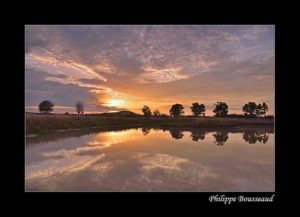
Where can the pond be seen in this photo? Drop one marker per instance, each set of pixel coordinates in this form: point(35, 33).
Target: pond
point(151, 160)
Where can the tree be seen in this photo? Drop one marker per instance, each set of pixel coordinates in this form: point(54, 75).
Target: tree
point(252, 109)
point(249, 108)
point(79, 108)
point(176, 133)
point(46, 106)
point(176, 110)
point(145, 131)
point(221, 109)
point(265, 108)
point(197, 134)
point(146, 110)
point(198, 109)
point(156, 113)
point(259, 110)
point(221, 138)
point(253, 136)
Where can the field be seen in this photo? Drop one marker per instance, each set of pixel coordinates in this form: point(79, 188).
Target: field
point(41, 123)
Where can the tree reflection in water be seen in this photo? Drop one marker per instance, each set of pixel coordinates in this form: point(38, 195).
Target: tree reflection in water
point(253, 136)
point(221, 137)
point(197, 134)
point(176, 133)
point(145, 131)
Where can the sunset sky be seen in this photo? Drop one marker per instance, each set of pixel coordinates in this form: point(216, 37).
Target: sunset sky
point(124, 67)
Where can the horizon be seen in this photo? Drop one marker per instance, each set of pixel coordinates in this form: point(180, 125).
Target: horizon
point(124, 67)
point(97, 112)
point(64, 110)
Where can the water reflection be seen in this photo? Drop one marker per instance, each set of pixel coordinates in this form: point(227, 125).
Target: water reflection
point(176, 133)
point(253, 136)
point(146, 131)
point(198, 134)
point(57, 136)
point(221, 137)
point(135, 160)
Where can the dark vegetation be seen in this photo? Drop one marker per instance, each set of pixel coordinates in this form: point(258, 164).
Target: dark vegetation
point(251, 135)
point(45, 122)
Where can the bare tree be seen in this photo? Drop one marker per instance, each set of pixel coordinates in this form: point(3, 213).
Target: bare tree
point(79, 108)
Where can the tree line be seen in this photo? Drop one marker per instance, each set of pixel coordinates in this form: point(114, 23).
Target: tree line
point(47, 106)
point(250, 109)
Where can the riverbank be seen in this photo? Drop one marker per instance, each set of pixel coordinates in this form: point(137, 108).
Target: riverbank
point(40, 123)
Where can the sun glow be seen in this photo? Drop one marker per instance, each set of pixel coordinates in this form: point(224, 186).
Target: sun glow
point(115, 102)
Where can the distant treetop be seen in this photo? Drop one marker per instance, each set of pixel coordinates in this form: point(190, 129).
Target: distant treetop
point(46, 106)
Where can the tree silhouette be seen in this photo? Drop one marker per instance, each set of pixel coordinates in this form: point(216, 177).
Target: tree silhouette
point(249, 108)
point(259, 110)
point(79, 108)
point(156, 113)
point(176, 133)
point(221, 137)
point(146, 131)
point(253, 136)
point(262, 109)
point(264, 138)
point(198, 109)
point(221, 109)
point(146, 110)
point(253, 109)
point(46, 106)
point(265, 108)
point(197, 134)
point(176, 110)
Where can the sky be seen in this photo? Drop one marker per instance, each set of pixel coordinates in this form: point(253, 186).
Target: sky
point(124, 67)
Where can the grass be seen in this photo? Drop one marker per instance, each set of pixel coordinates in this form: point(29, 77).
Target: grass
point(41, 123)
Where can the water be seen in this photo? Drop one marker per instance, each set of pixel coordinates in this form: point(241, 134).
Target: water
point(145, 159)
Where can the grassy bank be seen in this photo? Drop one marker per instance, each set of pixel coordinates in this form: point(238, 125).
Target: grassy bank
point(40, 123)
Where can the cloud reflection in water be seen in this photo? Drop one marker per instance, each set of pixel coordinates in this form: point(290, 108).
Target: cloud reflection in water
point(132, 161)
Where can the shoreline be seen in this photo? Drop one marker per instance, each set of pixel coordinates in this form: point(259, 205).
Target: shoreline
point(39, 124)
point(57, 135)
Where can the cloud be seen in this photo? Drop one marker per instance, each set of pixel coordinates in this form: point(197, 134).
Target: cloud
point(55, 65)
point(161, 75)
point(62, 167)
point(140, 62)
point(73, 80)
